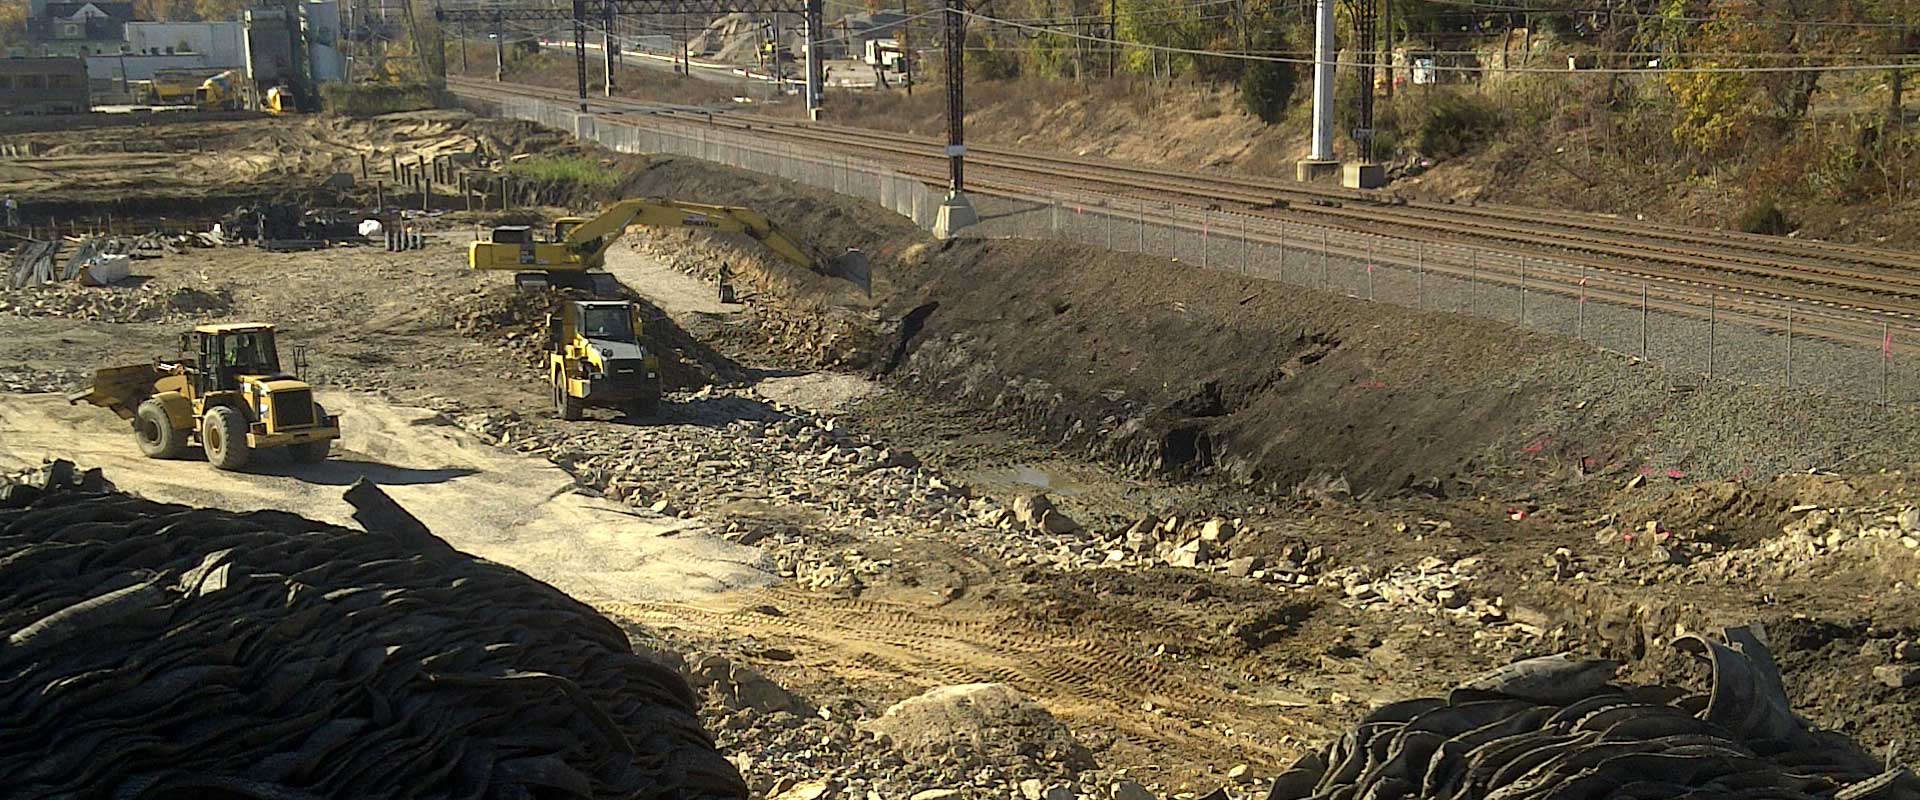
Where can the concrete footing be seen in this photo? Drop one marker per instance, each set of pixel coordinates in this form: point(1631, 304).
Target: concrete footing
point(1364, 176)
point(1313, 171)
point(956, 212)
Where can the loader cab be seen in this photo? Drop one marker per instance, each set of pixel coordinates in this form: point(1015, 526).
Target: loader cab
point(223, 353)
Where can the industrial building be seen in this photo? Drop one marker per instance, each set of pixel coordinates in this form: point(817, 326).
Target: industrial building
point(43, 86)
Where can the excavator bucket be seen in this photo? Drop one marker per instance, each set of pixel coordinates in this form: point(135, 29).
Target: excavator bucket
point(120, 389)
point(853, 266)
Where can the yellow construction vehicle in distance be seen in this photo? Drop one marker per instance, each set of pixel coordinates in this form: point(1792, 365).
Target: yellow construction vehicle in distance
point(229, 393)
point(573, 256)
point(594, 358)
point(220, 93)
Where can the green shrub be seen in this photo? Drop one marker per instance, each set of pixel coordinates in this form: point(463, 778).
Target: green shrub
point(565, 169)
point(1451, 123)
point(1765, 217)
point(1266, 87)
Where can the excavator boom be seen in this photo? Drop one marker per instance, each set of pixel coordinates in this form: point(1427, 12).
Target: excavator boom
point(580, 246)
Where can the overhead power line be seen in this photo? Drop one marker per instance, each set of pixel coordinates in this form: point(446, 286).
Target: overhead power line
point(1448, 67)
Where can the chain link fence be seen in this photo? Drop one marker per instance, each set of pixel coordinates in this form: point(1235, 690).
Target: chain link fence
point(1719, 336)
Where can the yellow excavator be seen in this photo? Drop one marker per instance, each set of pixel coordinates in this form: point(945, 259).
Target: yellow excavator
point(575, 253)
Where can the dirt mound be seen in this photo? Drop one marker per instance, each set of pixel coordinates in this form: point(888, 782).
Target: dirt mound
point(988, 719)
point(166, 650)
point(1171, 369)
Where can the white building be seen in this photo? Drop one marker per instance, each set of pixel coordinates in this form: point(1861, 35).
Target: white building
point(267, 54)
point(221, 43)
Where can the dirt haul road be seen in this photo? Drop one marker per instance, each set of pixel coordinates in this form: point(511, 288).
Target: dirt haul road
point(509, 508)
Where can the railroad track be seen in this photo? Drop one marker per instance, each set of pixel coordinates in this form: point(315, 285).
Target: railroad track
point(1841, 293)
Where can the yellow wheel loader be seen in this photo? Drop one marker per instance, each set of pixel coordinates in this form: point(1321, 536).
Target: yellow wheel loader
point(594, 358)
point(227, 394)
point(575, 254)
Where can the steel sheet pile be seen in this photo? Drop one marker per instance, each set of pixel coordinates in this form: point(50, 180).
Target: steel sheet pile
point(159, 650)
point(1555, 728)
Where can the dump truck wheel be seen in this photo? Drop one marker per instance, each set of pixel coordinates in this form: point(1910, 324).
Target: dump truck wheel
point(155, 432)
point(313, 452)
point(566, 405)
point(643, 407)
point(223, 433)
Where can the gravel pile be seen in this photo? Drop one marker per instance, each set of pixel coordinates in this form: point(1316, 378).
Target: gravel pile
point(155, 649)
point(115, 304)
point(1556, 728)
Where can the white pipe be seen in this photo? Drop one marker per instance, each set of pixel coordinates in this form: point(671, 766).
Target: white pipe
point(1323, 57)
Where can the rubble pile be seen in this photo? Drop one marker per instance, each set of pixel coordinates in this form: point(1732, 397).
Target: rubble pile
point(17, 378)
point(772, 454)
point(967, 741)
point(1556, 728)
point(130, 304)
point(1889, 534)
point(161, 650)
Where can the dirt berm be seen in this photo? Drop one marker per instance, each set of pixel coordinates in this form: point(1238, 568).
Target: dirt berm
point(1167, 368)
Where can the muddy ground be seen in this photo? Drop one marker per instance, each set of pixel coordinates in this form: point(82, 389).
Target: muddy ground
point(1376, 513)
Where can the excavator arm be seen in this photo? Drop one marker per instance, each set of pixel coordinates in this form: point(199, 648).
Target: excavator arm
point(581, 246)
point(597, 235)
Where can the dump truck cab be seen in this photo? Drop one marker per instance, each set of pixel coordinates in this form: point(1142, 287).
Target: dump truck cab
point(595, 358)
point(228, 392)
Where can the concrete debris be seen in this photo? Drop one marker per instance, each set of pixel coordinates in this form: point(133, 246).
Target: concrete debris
point(991, 719)
point(1128, 790)
point(72, 300)
point(810, 790)
point(1897, 676)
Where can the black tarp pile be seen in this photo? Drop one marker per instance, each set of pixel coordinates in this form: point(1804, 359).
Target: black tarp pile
point(1555, 728)
point(153, 650)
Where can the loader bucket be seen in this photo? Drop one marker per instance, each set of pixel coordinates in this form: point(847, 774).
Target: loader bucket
point(853, 266)
point(120, 389)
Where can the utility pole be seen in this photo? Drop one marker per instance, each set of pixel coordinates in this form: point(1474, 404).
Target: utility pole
point(1386, 42)
point(608, 47)
point(1365, 21)
point(499, 50)
point(463, 48)
point(815, 93)
point(1113, 36)
point(956, 211)
point(906, 50)
point(580, 50)
point(1320, 163)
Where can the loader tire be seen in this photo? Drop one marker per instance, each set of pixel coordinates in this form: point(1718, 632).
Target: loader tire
point(565, 405)
point(155, 432)
point(223, 433)
point(313, 452)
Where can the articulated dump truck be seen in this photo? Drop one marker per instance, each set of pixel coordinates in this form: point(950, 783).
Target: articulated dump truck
point(227, 393)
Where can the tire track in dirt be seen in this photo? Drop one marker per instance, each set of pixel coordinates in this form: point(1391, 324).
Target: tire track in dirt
point(1092, 683)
